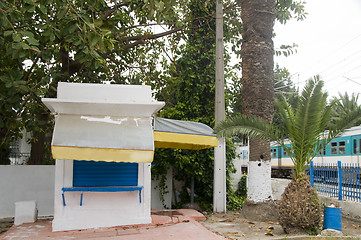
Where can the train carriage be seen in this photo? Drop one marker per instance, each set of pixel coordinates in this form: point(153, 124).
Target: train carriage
point(346, 148)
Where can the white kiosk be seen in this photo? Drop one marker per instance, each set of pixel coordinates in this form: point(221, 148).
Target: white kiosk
point(103, 144)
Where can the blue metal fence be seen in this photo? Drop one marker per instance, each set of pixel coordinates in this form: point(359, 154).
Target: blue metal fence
point(342, 181)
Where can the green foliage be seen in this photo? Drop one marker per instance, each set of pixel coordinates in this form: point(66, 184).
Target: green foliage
point(4, 154)
point(288, 9)
point(302, 126)
point(242, 187)
point(47, 41)
point(345, 104)
point(189, 95)
point(235, 200)
point(286, 50)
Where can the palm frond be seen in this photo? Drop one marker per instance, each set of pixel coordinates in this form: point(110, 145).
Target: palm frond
point(287, 114)
point(342, 124)
point(308, 119)
point(241, 125)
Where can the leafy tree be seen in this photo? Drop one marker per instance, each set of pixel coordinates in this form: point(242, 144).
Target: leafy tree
point(9, 99)
point(304, 128)
point(47, 41)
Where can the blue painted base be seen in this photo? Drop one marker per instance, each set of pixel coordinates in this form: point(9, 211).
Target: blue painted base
point(332, 218)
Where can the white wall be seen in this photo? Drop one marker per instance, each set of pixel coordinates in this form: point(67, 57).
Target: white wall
point(240, 161)
point(24, 148)
point(156, 201)
point(25, 183)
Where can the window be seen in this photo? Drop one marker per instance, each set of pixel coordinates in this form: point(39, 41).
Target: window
point(359, 149)
point(334, 148)
point(273, 153)
point(285, 154)
point(341, 147)
point(354, 146)
point(245, 154)
point(104, 174)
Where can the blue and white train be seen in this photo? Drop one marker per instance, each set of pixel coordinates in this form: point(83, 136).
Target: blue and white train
point(346, 148)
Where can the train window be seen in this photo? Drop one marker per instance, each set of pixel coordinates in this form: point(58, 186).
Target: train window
point(273, 153)
point(354, 146)
point(359, 149)
point(342, 147)
point(285, 153)
point(334, 148)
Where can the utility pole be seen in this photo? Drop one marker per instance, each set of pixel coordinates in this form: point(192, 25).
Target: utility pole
point(219, 185)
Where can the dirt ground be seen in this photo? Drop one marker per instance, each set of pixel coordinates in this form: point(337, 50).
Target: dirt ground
point(233, 226)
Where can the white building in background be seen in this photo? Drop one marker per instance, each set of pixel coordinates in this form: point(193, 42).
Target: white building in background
point(20, 149)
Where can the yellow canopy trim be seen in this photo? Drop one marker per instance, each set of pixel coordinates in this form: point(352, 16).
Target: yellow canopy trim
point(102, 154)
point(183, 141)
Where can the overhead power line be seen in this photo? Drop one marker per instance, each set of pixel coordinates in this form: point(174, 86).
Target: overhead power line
point(315, 64)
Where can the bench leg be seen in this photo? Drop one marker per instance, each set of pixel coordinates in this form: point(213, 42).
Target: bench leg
point(81, 199)
point(63, 199)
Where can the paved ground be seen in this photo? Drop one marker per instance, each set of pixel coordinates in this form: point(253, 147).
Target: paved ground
point(176, 225)
point(173, 224)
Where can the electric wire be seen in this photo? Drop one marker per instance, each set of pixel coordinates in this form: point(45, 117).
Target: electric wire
point(312, 66)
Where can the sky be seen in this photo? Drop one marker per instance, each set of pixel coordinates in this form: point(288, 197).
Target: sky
point(329, 44)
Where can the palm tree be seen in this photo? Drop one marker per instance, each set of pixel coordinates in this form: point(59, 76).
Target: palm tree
point(304, 127)
point(345, 104)
point(258, 98)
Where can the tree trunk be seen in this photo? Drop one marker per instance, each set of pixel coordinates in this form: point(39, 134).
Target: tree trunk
point(38, 145)
point(258, 89)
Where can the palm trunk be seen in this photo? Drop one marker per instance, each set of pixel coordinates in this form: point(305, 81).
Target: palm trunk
point(257, 89)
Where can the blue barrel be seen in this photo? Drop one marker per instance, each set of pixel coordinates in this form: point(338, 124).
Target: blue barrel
point(332, 218)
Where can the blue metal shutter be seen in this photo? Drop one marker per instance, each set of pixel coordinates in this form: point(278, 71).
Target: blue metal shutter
point(103, 174)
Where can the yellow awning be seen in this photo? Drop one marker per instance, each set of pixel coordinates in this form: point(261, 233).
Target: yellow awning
point(102, 154)
point(183, 141)
point(170, 133)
